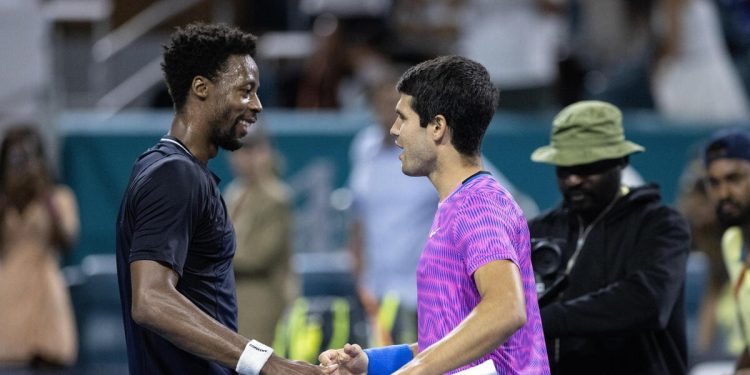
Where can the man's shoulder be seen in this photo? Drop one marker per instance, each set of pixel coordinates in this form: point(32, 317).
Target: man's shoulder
point(731, 240)
point(158, 161)
point(164, 174)
point(648, 205)
point(487, 192)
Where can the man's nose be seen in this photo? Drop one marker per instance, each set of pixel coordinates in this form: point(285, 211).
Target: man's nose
point(255, 104)
point(395, 129)
point(572, 179)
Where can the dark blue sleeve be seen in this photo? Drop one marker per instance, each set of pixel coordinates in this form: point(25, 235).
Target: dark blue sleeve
point(165, 206)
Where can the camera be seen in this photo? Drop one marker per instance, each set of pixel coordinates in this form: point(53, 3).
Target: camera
point(547, 260)
point(546, 256)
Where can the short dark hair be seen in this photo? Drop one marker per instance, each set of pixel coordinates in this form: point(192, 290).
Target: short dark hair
point(201, 49)
point(457, 88)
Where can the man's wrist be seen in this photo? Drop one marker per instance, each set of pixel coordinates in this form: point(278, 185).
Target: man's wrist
point(386, 360)
point(253, 358)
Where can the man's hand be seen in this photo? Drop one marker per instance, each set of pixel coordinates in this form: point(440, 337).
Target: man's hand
point(351, 360)
point(278, 366)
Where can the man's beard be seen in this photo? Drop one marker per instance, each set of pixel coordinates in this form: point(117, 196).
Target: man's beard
point(226, 139)
point(729, 220)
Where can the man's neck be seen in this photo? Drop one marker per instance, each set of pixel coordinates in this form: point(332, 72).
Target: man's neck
point(192, 134)
point(450, 173)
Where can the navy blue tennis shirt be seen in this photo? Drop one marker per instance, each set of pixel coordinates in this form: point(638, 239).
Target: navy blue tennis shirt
point(172, 212)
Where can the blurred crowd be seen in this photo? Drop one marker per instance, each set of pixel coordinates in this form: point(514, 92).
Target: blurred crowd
point(686, 59)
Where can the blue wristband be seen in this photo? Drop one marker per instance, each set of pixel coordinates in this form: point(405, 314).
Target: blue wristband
point(386, 360)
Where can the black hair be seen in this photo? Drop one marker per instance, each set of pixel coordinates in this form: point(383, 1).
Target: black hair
point(201, 49)
point(18, 134)
point(457, 88)
point(35, 185)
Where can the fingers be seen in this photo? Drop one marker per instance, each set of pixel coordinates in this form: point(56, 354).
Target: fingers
point(353, 350)
point(328, 357)
point(330, 369)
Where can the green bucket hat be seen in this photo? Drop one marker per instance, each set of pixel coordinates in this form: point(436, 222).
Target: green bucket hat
point(586, 132)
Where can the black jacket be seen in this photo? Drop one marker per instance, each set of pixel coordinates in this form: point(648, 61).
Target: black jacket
point(622, 311)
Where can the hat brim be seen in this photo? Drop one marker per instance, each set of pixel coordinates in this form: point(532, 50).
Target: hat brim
point(584, 155)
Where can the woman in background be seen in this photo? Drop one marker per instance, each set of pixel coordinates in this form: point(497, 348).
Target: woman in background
point(38, 222)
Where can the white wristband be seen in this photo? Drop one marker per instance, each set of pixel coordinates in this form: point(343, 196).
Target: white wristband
point(253, 358)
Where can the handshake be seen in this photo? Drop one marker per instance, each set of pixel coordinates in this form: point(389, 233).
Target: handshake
point(350, 360)
point(395, 359)
point(353, 360)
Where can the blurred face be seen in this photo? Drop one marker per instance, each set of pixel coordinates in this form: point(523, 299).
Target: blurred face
point(588, 188)
point(418, 157)
point(253, 161)
point(728, 185)
point(384, 99)
point(23, 163)
point(235, 102)
point(25, 173)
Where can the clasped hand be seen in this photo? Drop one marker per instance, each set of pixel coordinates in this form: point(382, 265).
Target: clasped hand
point(351, 360)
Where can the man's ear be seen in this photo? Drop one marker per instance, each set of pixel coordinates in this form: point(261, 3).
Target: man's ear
point(439, 128)
point(200, 87)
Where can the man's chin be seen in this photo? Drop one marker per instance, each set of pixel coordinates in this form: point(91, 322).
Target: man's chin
point(232, 146)
point(578, 206)
point(229, 144)
point(730, 220)
point(412, 172)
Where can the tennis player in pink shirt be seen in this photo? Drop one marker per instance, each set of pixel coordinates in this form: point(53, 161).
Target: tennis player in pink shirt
point(477, 303)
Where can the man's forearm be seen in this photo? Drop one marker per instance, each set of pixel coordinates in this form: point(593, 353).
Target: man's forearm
point(481, 332)
point(499, 314)
point(182, 323)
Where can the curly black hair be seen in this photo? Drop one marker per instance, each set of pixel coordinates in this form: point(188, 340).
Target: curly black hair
point(457, 88)
point(201, 49)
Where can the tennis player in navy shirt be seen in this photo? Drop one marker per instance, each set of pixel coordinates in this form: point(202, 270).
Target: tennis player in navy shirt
point(175, 242)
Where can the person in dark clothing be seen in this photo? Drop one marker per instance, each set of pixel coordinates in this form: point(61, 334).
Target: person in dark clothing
point(175, 241)
point(614, 300)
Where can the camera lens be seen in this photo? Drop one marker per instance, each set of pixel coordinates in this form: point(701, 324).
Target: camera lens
point(546, 256)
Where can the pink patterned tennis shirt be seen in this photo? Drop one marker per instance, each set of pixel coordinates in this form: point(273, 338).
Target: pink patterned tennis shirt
point(478, 223)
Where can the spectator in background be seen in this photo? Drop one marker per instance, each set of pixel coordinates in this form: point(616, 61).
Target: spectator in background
point(385, 202)
point(259, 204)
point(525, 37)
point(727, 161)
point(324, 69)
point(426, 28)
point(38, 223)
point(28, 82)
point(664, 54)
point(613, 297)
point(705, 234)
point(607, 54)
point(735, 16)
point(693, 77)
